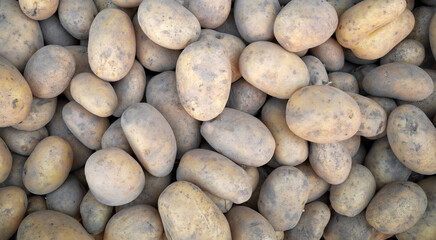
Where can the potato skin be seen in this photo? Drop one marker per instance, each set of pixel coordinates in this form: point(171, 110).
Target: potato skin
point(432, 35)
point(245, 97)
point(317, 72)
point(408, 51)
point(127, 3)
point(210, 13)
point(55, 34)
point(13, 205)
point(331, 54)
point(67, 197)
point(5, 161)
point(38, 9)
point(114, 137)
point(312, 113)
point(396, 207)
point(150, 137)
point(245, 223)
point(420, 32)
point(22, 142)
point(344, 81)
point(95, 215)
point(314, 219)
point(76, 16)
point(183, 200)
point(15, 177)
point(304, 24)
point(35, 203)
point(282, 197)
point(223, 204)
point(317, 185)
point(41, 112)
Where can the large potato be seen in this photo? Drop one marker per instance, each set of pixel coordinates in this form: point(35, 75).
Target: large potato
point(304, 24)
point(41, 112)
point(322, 114)
point(55, 34)
point(216, 174)
point(95, 215)
point(48, 165)
point(245, 97)
point(290, 149)
point(331, 54)
point(5, 161)
point(39, 9)
point(210, 13)
point(114, 137)
point(66, 199)
point(412, 138)
point(76, 16)
point(111, 184)
point(282, 197)
point(317, 185)
point(168, 23)
point(317, 72)
point(150, 137)
point(112, 45)
point(240, 137)
point(183, 200)
point(245, 223)
point(22, 142)
point(396, 207)
point(407, 51)
point(13, 205)
point(314, 219)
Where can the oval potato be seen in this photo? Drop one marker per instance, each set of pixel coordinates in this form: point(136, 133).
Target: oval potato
point(77, 16)
point(94, 214)
point(66, 199)
point(210, 13)
point(317, 185)
point(54, 33)
point(41, 112)
point(408, 51)
point(245, 223)
point(35, 203)
point(22, 142)
point(13, 205)
point(314, 219)
point(245, 97)
point(39, 9)
point(317, 72)
point(114, 137)
point(331, 54)
point(5, 161)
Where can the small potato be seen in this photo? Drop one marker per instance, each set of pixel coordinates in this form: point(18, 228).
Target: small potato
point(252, 202)
point(349, 56)
point(407, 51)
point(66, 199)
point(229, 26)
point(352, 144)
point(210, 13)
point(282, 197)
point(396, 207)
point(317, 71)
point(290, 149)
point(420, 32)
point(15, 177)
point(127, 3)
point(183, 200)
point(48, 166)
point(304, 24)
point(80, 54)
point(114, 137)
point(245, 97)
point(348, 67)
point(95, 215)
point(50, 224)
point(331, 54)
point(240, 137)
point(216, 174)
point(223, 204)
point(22, 142)
point(13, 205)
point(387, 104)
point(317, 185)
point(314, 219)
point(168, 23)
point(150, 137)
point(255, 19)
point(76, 16)
point(401, 81)
point(39, 9)
point(344, 81)
point(432, 35)
point(55, 34)
point(35, 203)
point(245, 223)
point(49, 71)
point(272, 69)
point(5, 161)
point(360, 155)
point(41, 112)
point(137, 222)
point(322, 114)
point(331, 161)
point(342, 5)
point(110, 184)
point(412, 138)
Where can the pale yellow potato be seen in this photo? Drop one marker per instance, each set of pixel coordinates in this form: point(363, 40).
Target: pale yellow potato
point(39, 9)
point(210, 13)
point(317, 185)
point(22, 142)
point(229, 26)
point(314, 219)
point(245, 223)
point(5, 161)
point(41, 112)
point(15, 177)
point(77, 16)
point(253, 173)
point(94, 214)
point(80, 54)
point(13, 205)
point(331, 54)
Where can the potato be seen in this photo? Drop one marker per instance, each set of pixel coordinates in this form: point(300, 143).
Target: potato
point(331, 161)
point(412, 138)
point(317, 186)
point(35, 203)
point(360, 155)
point(384, 165)
point(255, 19)
point(161, 93)
point(15, 177)
point(5, 161)
point(50, 224)
point(348, 67)
point(344, 81)
point(282, 197)
point(20, 37)
point(229, 26)
point(273, 70)
point(168, 23)
point(315, 218)
point(76, 17)
point(253, 173)
point(360, 72)
point(127, 3)
point(13, 205)
point(151, 55)
point(95, 215)
point(432, 35)
point(420, 32)
point(331, 54)
point(54, 33)
point(252, 202)
point(137, 222)
point(304, 24)
point(66, 199)
point(407, 51)
point(216, 174)
point(114, 137)
point(387, 104)
point(428, 2)
point(396, 207)
point(203, 77)
point(22, 142)
point(290, 149)
point(38, 9)
point(80, 54)
point(245, 223)
point(183, 200)
point(401, 81)
point(15, 95)
point(322, 114)
point(85, 126)
point(352, 144)
point(245, 97)
point(342, 5)
point(317, 72)
point(210, 13)
point(150, 137)
point(240, 137)
point(41, 112)
point(223, 204)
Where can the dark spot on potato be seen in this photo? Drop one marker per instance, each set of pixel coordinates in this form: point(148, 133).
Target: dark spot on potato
point(14, 103)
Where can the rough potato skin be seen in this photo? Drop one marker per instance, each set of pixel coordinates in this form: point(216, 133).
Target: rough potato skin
point(35, 203)
point(344, 81)
point(67, 197)
point(127, 3)
point(408, 51)
point(245, 97)
point(317, 185)
point(331, 54)
point(314, 219)
point(13, 205)
point(77, 16)
point(41, 112)
point(396, 207)
point(210, 13)
point(342, 5)
point(5, 161)
point(22, 142)
point(245, 223)
point(317, 71)
point(38, 9)
point(420, 32)
point(95, 215)
point(114, 137)
point(223, 204)
point(55, 34)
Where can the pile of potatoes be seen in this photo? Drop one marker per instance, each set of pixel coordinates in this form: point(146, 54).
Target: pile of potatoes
point(217, 119)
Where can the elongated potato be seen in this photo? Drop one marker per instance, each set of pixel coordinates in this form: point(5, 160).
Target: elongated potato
point(5, 161)
point(204, 76)
point(408, 51)
point(272, 69)
point(210, 13)
point(22, 142)
point(245, 97)
point(245, 223)
point(344, 81)
point(114, 137)
point(317, 71)
point(41, 112)
point(183, 200)
point(13, 205)
point(39, 9)
point(95, 215)
point(55, 34)
point(317, 185)
point(66, 199)
point(314, 219)
point(77, 16)
point(331, 54)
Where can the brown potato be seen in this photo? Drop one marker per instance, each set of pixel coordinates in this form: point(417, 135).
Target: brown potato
point(123, 185)
point(76, 16)
point(50, 224)
point(229, 26)
point(39, 9)
point(348, 67)
point(407, 51)
point(360, 155)
point(150, 137)
point(360, 72)
point(5, 161)
point(272, 69)
point(210, 13)
point(223, 204)
point(66, 199)
point(344, 81)
point(15, 177)
point(127, 3)
point(317, 185)
point(55, 34)
point(252, 202)
point(420, 32)
point(396, 207)
point(22, 142)
point(95, 215)
point(80, 54)
point(245, 97)
point(304, 24)
point(432, 35)
point(35, 203)
point(245, 223)
point(114, 137)
point(331, 54)
point(41, 112)
point(322, 114)
point(183, 200)
point(317, 71)
point(13, 205)
point(48, 166)
point(352, 144)
point(342, 5)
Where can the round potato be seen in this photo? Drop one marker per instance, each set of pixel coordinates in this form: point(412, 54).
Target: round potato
point(344, 81)
point(55, 34)
point(396, 207)
point(210, 13)
point(5, 161)
point(41, 112)
point(314, 219)
point(95, 215)
point(76, 16)
point(168, 23)
point(317, 185)
point(35, 203)
point(66, 199)
point(39, 9)
point(13, 205)
point(15, 177)
point(322, 114)
point(245, 97)
point(245, 223)
point(114, 137)
point(407, 51)
point(223, 204)
point(127, 3)
point(183, 200)
point(22, 142)
point(331, 54)
point(317, 72)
